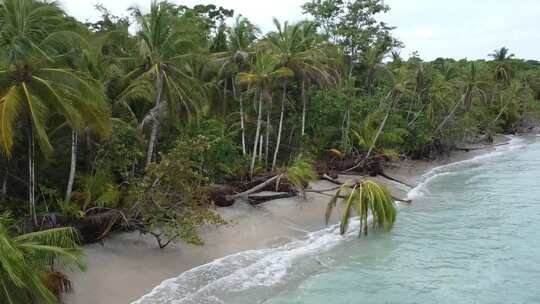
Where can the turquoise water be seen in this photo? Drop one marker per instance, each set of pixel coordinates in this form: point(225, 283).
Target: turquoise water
point(472, 235)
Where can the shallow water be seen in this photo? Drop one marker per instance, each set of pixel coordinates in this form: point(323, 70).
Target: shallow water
point(471, 236)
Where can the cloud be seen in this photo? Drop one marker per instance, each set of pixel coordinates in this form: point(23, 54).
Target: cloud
point(435, 28)
point(466, 29)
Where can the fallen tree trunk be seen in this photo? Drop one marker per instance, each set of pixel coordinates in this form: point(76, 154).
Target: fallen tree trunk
point(246, 193)
point(395, 180)
point(259, 199)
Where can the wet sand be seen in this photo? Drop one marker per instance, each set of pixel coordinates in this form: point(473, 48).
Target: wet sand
point(129, 265)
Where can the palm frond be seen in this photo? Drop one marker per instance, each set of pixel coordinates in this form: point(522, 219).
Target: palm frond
point(10, 109)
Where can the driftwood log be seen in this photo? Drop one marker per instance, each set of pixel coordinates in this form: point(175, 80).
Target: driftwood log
point(259, 199)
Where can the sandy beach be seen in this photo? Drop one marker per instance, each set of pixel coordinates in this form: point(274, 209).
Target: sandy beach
point(129, 265)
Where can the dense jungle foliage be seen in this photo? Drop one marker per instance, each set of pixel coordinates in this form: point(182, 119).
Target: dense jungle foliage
point(129, 121)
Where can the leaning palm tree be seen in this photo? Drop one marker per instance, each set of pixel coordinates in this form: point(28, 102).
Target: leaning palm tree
point(166, 46)
point(513, 102)
point(366, 198)
point(472, 88)
point(36, 82)
point(27, 273)
point(400, 86)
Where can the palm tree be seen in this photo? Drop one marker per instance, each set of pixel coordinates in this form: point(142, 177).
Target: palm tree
point(94, 62)
point(299, 48)
point(472, 88)
point(35, 82)
point(501, 56)
point(166, 46)
point(400, 86)
point(27, 270)
point(372, 59)
point(513, 102)
point(366, 198)
point(264, 74)
point(237, 59)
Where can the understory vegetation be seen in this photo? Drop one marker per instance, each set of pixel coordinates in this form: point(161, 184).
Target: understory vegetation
point(147, 121)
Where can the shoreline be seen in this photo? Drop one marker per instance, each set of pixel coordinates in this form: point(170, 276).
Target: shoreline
point(128, 266)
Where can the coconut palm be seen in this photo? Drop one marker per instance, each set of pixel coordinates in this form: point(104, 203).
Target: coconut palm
point(95, 63)
point(400, 86)
point(513, 102)
point(501, 54)
point(372, 59)
point(166, 46)
point(27, 271)
point(472, 87)
point(299, 48)
point(263, 76)
point(366, 198)
point(35, 82)
point(503, 71)
point(237, 59)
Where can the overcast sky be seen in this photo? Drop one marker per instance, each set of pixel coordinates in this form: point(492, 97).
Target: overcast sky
point(435, 28)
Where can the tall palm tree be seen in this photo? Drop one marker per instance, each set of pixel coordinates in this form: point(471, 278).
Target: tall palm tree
point(166, 45)
point(93, 61)
point(28, 260)
point(472, 87)
point(503, 71)
point(300, 49)
point(501, 54)
point(366, 198)
point(372, 60)
point(36, 82)
point(242, 35)
point(263, 76)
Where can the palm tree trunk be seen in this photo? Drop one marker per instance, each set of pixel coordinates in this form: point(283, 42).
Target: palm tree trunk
point(73, 166)
point(303, 93)
point(268, 126)
point(365, 227)
point(257, 133)
point(261, 142)
point(242, 129)
point(31, 175)
point(346, 128)
point(443, 123)
point(379, 131)
point(280, 128)
point(500, 114)
point(377, 135)
point(155, 121)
